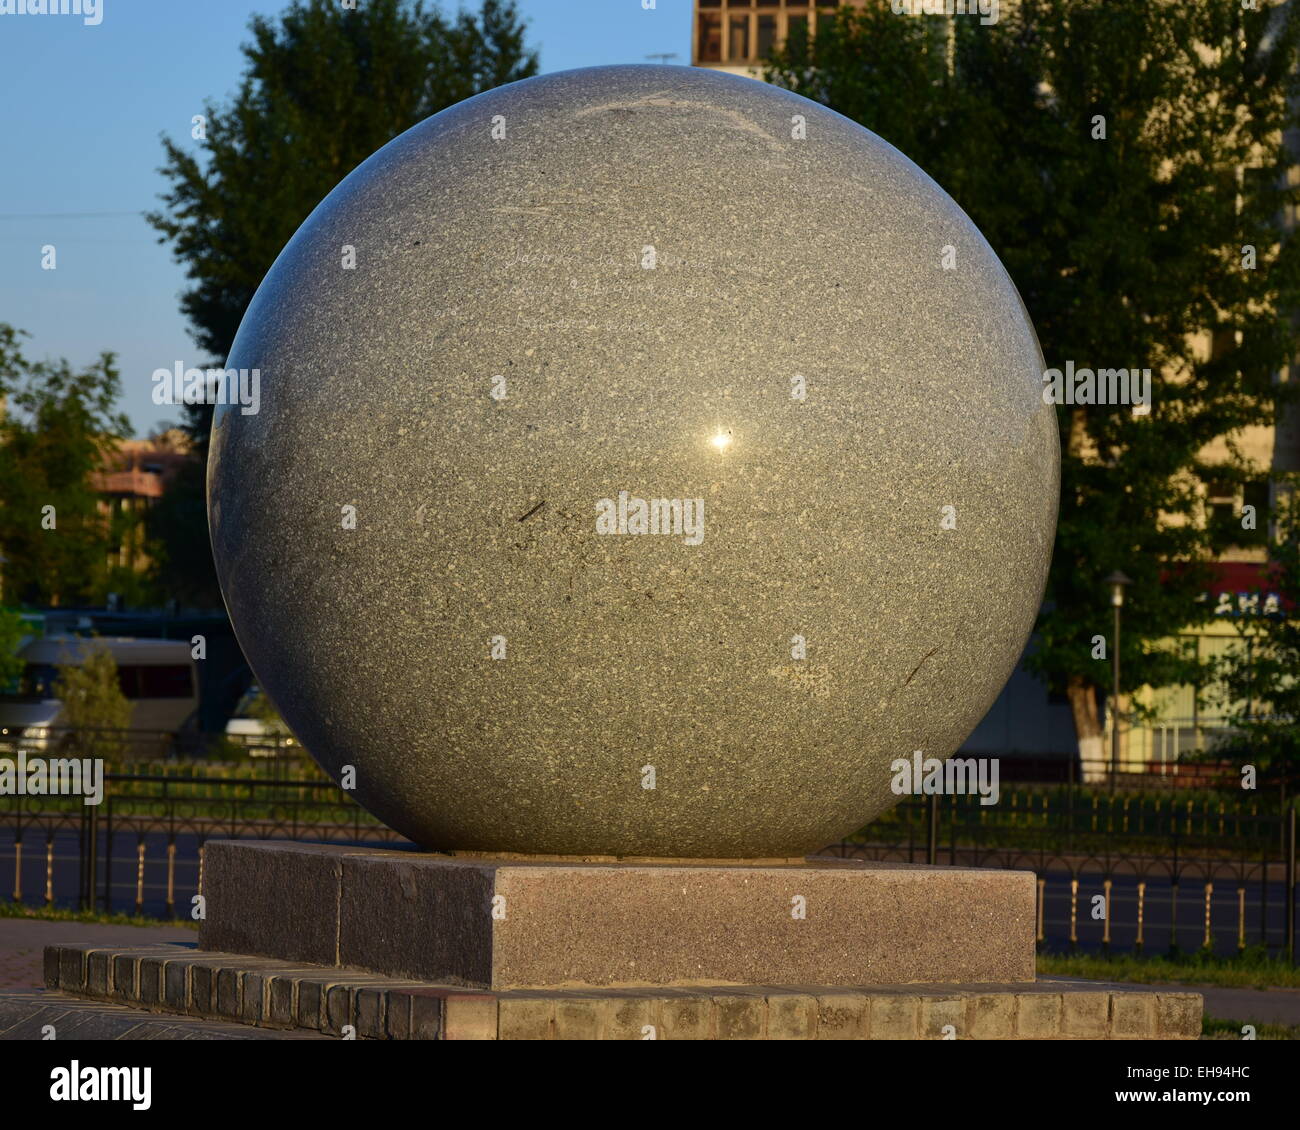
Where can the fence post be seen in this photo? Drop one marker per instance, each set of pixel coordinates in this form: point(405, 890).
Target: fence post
point(1069, 811)
point(1173, 883)
point(108, 859)
point(1265, 839)
point(932, 837)
point(83, 821)
point(94, 857)
point(1290, 886)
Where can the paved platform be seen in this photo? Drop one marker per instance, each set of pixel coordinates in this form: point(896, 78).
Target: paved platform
point(31, 1015)
point(271, 994)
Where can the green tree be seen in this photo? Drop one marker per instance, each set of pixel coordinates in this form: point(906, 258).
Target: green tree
point(1260, 681)
point(93, 702)
point(324, 87)
point(1121, 157)
point(12, 631)
point(177, 525)
point(61, 427)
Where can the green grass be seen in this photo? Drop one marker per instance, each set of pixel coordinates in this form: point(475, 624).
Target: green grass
point(1212, 1028)
point(1250, 970)
point(11, 909)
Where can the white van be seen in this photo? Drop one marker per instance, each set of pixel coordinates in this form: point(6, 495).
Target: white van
point(158, 677)
point(249, 730)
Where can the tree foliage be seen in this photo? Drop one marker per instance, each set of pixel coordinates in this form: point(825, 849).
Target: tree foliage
point(1120, 156)
point(61, 426)
point(90, 692)
point(12, 631)
point(94, 708)
point(1261, 679)
point(324, 88)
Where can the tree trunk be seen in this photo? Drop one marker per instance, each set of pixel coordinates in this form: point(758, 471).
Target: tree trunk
point(1087, 727)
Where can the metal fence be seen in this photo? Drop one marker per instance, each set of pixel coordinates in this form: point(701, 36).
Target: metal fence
point(1129, 869)
point(1135, 863)
point(141, 849)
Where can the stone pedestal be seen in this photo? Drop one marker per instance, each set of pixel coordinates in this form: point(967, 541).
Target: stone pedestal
point(527, 923)
point(312, 941)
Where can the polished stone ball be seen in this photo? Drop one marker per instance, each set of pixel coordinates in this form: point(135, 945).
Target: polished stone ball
point(644, 459)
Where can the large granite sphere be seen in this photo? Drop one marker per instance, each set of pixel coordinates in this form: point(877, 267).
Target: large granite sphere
point(536, 311)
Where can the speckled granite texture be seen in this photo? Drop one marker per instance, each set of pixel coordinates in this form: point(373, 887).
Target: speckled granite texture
point(503, 357)
point(507, 924)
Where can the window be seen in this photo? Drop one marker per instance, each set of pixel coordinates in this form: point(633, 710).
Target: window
point(37, 681)
point(156, 682)
point(738, 46)
point(1220, 502)
point(1255, 493)
point(766, 35)
point(710, 39)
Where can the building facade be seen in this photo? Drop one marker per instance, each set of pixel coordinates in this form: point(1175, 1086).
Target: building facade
point(735, 36)
point(130, 482)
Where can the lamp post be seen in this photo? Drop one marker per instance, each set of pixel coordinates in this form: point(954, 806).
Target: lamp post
point(1117, 582)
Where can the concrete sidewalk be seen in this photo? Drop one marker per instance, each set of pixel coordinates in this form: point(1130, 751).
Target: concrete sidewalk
point(23, 941)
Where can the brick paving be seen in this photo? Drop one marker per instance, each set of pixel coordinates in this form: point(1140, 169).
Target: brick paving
point(22, 941)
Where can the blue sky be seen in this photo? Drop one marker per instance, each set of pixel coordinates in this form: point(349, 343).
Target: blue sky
point(84, 109)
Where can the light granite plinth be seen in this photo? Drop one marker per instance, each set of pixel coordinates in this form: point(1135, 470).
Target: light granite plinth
point(507, 924)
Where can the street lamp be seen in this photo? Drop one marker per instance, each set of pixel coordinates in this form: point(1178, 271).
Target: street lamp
point(1117, 582)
